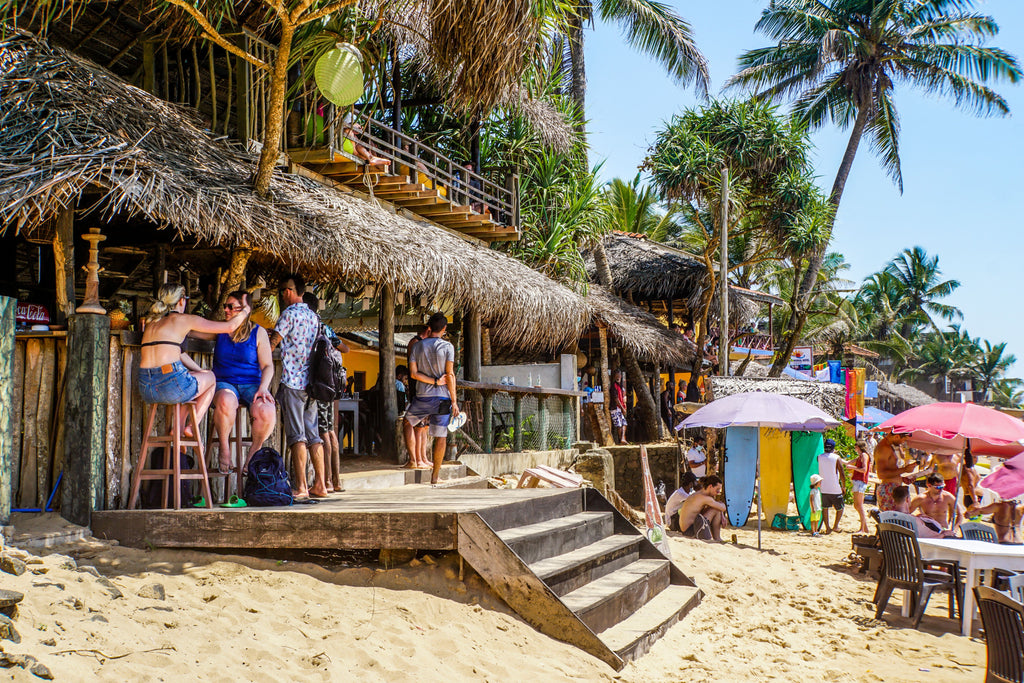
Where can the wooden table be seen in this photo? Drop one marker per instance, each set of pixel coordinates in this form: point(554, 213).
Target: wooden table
point(973, 556)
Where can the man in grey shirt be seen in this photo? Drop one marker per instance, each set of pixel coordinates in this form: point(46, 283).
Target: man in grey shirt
point(432, 367)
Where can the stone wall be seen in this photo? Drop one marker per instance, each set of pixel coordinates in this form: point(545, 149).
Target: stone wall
point(628, 482)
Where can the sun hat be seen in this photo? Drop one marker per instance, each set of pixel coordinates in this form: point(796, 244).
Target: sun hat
point(815, 479)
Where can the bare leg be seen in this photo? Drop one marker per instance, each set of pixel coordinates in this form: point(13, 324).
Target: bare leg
point(439, 446)
point(318, 490)
point(423, 438)
point(858, 502)
point(335, 460)
point(264, 418)
point(412, 444)
point(299, 461)
point(824, 518)
point(839, 516)
point(716, 525)
point(204, 398)
point(224, 411)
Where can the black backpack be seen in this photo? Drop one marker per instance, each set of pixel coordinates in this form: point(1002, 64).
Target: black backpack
point(267, 482)
point(326, 373)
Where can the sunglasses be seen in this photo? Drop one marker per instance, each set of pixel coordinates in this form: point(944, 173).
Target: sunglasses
point(229, 307)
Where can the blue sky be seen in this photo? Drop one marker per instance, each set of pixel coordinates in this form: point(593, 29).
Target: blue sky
point(962, 199)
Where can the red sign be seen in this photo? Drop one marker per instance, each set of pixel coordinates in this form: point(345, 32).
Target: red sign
point(31, 314)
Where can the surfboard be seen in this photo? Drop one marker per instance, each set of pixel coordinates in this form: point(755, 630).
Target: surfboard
point(740, 472)
point(806, 448)
point(776, 473)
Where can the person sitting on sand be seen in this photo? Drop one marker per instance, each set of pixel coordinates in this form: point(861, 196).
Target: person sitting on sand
point(1006, 517)
point(701, 516)
point(926, 528)
point(686, 485)
point(937, 504)
point(890, 469)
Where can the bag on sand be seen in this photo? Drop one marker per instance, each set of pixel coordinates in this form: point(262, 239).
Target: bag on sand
point(266, 483)
point(326, 372)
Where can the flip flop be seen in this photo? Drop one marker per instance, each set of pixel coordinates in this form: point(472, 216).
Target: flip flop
point(234, 502)
point(304, 501)
point(198, 502)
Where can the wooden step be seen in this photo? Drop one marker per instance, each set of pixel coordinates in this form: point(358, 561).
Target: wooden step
point(633, 636)
point(518, 514)
point(566, 572)
point(606, 601)
point(467, 482)
point(552, 537)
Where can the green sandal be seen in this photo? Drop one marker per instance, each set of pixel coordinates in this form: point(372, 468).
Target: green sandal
point(234, 502)
point(198, 502)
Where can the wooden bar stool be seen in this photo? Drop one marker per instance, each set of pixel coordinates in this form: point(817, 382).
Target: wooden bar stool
point(173, 444)
point(239, 445)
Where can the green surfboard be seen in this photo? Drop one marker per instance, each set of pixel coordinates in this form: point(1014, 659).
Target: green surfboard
point(807, 446)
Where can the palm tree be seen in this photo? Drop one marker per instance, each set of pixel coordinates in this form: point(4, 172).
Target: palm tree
point(1008, 393)
point(944, 356)
point(991, 364)
point(842, 60)
point(917, 279)
point(632, 208)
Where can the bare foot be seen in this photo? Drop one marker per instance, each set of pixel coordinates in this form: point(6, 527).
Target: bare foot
point(301, 493)
point(318, 492)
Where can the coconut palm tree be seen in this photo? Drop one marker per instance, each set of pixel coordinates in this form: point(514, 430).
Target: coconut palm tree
point(631, 207)
point(842, 60)
point(917, 280)
point(991, 364)
point(1008, 392)
point(944, 356)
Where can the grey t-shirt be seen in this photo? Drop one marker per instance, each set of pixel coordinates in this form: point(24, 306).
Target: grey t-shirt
point(430, 356)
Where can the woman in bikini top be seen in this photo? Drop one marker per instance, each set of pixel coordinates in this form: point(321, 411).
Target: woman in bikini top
point(166, 373)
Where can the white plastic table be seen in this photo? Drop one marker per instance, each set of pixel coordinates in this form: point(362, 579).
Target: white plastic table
point(973, 556)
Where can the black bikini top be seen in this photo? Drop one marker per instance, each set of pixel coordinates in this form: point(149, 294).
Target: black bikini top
point(180, 345)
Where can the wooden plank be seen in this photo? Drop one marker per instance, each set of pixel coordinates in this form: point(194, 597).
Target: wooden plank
point(44, 421)
point(442, 212)
point(418, 202)
point(112, 440)
point(17, 409)
point(125, 399)
point(28, 489)
point(8, 306)
point(137, 416)
point(60, 405)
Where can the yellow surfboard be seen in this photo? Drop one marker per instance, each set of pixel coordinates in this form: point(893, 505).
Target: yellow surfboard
point(776, 472)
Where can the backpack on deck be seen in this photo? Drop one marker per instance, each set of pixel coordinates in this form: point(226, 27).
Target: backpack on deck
point(266, 483)
point(326, 372)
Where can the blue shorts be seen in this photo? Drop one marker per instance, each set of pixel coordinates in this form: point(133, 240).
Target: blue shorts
point(172, 387)
point(245, 393)
point(424, 411)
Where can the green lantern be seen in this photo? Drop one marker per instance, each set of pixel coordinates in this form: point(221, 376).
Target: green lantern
point(339, 75)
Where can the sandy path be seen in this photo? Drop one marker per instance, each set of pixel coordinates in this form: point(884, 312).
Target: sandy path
point(792, 612)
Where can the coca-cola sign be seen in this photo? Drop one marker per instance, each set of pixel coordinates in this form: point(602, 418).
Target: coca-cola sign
point(32, 314)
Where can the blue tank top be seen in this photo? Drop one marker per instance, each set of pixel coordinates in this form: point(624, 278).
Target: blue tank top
point(237, 363)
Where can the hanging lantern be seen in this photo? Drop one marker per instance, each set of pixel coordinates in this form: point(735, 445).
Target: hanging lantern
point(339, 75)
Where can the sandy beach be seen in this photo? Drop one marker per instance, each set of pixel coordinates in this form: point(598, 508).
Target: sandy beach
point(795, 610)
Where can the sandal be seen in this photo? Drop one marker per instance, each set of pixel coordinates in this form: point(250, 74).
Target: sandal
point(234, 502)
point(198, 502)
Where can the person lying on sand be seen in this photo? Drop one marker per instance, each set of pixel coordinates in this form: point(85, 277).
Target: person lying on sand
point(1006, 516)
point(701, 516)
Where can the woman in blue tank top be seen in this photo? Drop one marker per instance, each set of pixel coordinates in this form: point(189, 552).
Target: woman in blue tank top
point(244, 368)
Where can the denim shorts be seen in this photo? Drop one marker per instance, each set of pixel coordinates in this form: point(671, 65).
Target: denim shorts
point(298, 412)
point(245, 393)
point(424, 410)
point(176, 386)
point(859, 486)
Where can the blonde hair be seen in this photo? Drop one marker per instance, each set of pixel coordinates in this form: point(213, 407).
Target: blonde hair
point(243, 331)
point(166, 299)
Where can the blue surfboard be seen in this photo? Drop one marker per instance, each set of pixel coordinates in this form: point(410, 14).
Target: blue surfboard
point(740, 472)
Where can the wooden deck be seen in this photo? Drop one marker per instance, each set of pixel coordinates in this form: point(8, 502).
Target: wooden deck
point(415, 516)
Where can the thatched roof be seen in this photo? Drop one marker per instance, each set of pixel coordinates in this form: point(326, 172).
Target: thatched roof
point(638, 330)
point(651, 270)
point(828, 397)
point(67, 125)
point(909, 395)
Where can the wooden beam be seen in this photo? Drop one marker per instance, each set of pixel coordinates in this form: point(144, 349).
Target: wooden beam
point(389, 396)
point(517, 426)
point(488, 425)
point(473, 346)
point(64, 263)
point(7, 380)
point(606, 376)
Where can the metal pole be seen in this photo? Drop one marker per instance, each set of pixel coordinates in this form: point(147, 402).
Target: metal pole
point(758, 488)
point(723, 276)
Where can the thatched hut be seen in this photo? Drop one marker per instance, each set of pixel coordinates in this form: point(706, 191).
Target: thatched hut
point(896, 398)
point(828, 397)
point(639, 330)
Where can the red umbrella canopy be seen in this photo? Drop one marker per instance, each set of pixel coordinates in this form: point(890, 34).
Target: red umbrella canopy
point(946, 428)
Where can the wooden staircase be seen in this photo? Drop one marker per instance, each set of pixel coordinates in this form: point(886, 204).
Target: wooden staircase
point(577, 570)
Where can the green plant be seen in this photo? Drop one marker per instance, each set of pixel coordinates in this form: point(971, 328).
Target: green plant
point(846, 447)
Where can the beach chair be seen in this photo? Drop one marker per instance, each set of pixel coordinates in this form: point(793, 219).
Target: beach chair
point(904, 569)
point(976, 531)
point(1003, 618)
point(1016, 586)
point(901, 518)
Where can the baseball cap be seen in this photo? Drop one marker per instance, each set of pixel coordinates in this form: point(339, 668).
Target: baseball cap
point(830, 443)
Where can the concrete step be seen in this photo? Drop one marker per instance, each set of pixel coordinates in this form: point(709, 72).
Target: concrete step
point(569, 571)
point(608, 600)
point(541, 540)
point(632, 637)
point(390, 478)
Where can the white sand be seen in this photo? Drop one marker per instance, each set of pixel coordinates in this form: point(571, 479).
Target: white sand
point(793, 612)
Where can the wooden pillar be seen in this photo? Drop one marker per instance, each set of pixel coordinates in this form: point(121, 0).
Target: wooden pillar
point(671, 322)
point(7, 309)
point(235, 278)
point(159, 267)
point(488, 425)
point(567, 416)
point(485, 346)
point(542, 422)
point(85, 416)
point(606, 373)
point(149, 67)
point(473, 347)
point(396, 93)
point(657, 397)
point(517, 420)
point(389, 397)
point(64, 264)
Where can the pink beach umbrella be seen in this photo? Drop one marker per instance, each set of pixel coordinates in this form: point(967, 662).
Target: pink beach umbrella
point(1007, 480)
point(950, 427)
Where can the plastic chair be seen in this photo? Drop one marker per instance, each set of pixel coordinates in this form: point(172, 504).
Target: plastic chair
point(1003, 618)
point(904, 569)
point(1016, 586)
point(901, 518)
point(976, 531)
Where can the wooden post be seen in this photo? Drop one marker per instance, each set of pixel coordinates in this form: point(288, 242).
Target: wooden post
point(723, 322)
point(236, 273)
point(7, 380)
point(91, 302)
point(396, 94)
point(85, 416)
point(657, 397)
point(488, 425)
point(542, 423)
point(606, 374)
point(64, 264)
point(389, 397)
point(149, 67)
point(473, 348)
point(671, 321)
point(567, 416)
point(485, 346)
point(517, 426)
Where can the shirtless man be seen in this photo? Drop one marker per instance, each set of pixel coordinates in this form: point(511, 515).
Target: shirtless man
point(926, 528)
point(969, 480)
point(948, 466)
point(890, 469)
point(702, 504)
point(1006, 516)
point(937, 504)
